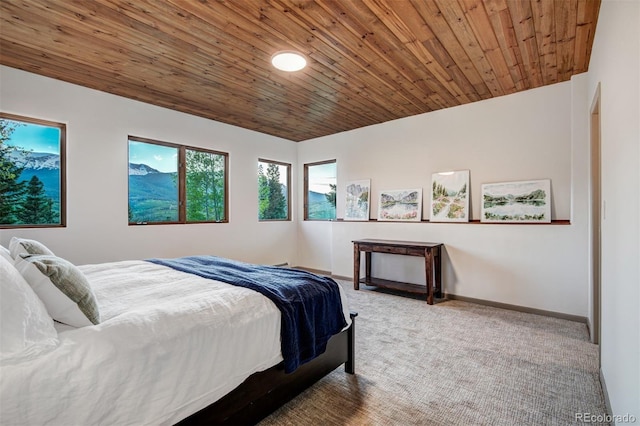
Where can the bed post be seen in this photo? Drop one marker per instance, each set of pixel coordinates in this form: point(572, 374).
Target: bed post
point(350, 365)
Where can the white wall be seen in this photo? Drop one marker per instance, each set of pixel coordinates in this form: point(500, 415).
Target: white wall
point(615, 64)
point(517, 137)
point(98, 125)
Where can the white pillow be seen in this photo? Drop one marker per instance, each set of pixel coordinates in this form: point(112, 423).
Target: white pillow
point(18, 247)
point(63, 289)
point(26, 329)
point(4, 252)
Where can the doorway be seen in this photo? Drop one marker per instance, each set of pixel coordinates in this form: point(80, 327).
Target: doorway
point(596, 217)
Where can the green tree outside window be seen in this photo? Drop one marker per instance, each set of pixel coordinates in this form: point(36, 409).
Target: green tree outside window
point(205, 186)
point(31, 172)
point(273, 190)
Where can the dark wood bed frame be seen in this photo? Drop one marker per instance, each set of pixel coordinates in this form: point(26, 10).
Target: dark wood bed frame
point(264, 392)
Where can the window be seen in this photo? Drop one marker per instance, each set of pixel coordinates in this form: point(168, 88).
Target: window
point(320, 190)
point(274, 183)
point(161, 190)
point(32, 172)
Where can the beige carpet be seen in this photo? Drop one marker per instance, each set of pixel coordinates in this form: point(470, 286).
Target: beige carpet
point(454, 363)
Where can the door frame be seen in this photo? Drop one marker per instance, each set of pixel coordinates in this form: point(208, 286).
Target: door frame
point(596, 215)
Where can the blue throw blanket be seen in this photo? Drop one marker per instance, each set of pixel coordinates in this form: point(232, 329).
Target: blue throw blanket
point(310, 304)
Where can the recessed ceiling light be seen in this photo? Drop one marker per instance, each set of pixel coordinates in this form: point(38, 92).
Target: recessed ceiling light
point(288, 61)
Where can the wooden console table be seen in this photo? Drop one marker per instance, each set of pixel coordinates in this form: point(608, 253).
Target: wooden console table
point(430, 252)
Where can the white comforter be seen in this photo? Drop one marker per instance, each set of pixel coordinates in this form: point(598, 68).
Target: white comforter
point(169, 344)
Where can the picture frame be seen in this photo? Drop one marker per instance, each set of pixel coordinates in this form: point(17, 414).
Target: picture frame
point(400, 205)
point(450, 196)
point(517, 202)
point(358, 200)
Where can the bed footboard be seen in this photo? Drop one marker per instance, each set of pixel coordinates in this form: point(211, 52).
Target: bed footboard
point(264, 392)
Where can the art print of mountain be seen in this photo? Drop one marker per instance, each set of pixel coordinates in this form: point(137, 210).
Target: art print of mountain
point(400, 205)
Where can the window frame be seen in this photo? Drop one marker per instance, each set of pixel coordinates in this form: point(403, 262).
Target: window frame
point(182, 181)
point(306, 188)
point(63, 169)
point(288, 166)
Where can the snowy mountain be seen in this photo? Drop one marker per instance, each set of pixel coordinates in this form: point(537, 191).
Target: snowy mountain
point(140, 169)
point(36, 160)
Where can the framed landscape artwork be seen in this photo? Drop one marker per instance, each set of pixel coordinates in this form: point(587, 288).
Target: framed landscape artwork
point(517, 202)
point(357, 200)
point(403, 205)
point(450, 196)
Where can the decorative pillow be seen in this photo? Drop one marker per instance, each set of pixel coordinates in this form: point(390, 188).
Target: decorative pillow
point(24, 246)
point(26, 329)
point(4, 252)
point(63, 289)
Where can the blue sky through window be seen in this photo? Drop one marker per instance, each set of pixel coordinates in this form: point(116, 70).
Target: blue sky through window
point(36, 138)
point(320, 176)
point(160, 157)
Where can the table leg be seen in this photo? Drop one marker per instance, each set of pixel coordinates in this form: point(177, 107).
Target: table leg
point(428, 269)
point(356, 266)
point(367, 267)
point(437, 262)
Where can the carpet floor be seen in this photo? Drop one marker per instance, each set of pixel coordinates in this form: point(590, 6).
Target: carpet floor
point(454, 363)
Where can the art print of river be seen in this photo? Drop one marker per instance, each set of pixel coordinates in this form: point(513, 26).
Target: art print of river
point(527, 201)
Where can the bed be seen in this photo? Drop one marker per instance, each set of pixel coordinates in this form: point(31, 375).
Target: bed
point(167, 346)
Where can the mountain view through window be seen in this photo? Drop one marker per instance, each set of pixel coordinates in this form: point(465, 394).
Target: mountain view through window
point(320, 190)
point(31, 172)
point(161, 191)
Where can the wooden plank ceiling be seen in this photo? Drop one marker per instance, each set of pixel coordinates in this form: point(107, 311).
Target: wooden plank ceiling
point(371, 61)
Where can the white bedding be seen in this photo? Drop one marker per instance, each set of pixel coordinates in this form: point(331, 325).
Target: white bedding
point(168, 345)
